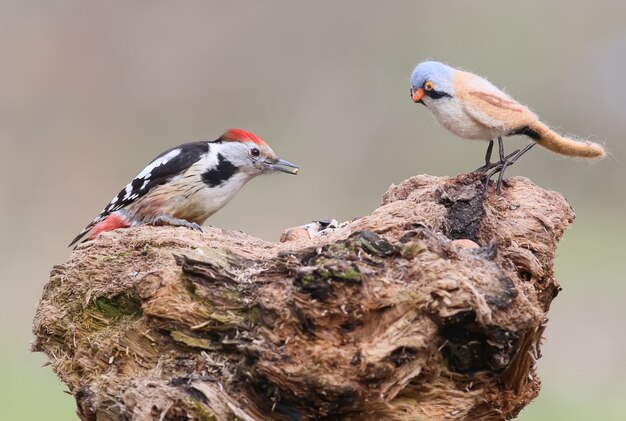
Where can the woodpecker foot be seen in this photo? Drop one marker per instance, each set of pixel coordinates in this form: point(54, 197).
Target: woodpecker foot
point(175, 222)
point(507, 162)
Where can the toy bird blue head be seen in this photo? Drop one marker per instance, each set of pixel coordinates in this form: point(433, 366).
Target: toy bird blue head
point(432, 79)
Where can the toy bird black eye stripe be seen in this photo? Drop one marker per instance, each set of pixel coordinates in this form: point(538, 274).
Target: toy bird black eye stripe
point(437, 94)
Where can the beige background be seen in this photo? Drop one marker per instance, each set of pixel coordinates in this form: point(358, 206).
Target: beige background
point(90, 93)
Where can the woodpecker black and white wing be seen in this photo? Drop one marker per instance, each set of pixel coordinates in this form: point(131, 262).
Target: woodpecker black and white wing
point(162, 169)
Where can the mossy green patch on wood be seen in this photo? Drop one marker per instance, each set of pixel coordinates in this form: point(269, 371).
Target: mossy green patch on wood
point(229, 319)
point(350, 273)
point(231, 294)
point(192, 341)
point(412, 249)
point(115, 308)
point(307, 279)
point(201, 411)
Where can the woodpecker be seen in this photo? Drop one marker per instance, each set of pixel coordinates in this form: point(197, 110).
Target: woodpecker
point(186, 184)
point(472, 108)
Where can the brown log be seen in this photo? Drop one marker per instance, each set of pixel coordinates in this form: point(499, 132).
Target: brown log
point(432, 307)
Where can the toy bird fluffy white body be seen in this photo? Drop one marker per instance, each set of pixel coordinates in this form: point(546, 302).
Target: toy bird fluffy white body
point(472, 108)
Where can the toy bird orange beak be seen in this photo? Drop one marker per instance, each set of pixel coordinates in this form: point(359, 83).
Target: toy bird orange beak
point(418, 95)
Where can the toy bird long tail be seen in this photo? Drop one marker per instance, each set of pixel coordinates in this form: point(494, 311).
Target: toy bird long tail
point(554, 142)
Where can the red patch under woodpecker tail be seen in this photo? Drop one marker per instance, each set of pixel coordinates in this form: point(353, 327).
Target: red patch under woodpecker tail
point(110, 223)
point(238, 135)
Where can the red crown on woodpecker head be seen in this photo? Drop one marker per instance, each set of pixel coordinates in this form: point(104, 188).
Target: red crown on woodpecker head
point(238, 135)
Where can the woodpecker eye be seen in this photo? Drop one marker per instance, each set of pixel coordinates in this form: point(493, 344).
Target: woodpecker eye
point(255, 152)
point(428, 86)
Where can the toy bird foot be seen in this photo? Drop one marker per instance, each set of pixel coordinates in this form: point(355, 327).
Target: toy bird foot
point(507, 162)
point(496, 165)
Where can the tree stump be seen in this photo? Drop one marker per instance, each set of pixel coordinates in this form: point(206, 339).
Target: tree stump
point(432, 307)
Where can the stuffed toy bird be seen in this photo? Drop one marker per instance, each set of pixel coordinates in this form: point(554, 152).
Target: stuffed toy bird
point(472, 108)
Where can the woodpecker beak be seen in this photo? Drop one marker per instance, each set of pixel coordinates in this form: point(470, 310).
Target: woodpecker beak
point(418, 95)
point(284, 166)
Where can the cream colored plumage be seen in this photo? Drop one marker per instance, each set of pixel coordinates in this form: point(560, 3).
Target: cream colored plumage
point(472, 108)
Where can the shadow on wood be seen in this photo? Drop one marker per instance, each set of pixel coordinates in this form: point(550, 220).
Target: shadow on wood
point(432, 307)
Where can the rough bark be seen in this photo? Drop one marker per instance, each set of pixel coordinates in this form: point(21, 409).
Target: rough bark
point(432, 307)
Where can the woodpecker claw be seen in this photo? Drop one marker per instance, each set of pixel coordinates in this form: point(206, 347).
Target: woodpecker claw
point(175, 222)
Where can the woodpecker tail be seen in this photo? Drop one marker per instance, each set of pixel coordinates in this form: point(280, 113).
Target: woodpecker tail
point(109, 223)
point(554, 142)
point(81, 235)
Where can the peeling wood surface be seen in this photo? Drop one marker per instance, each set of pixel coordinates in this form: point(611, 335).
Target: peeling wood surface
point(432, 307)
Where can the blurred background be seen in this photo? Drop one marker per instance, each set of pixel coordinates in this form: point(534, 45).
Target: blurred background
point(90, 93)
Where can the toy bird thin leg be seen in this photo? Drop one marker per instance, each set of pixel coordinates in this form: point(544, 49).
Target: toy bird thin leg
point(488, 165)
point(175, 222)
point(501, 150)
point(509, 162)
point(488, 154)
